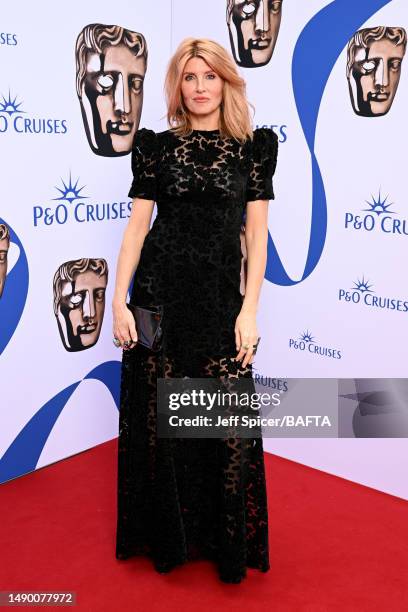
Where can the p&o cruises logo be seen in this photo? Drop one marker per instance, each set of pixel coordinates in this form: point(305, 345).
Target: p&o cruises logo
point(379, 216)
point(307, 343)
point(72, 207)
point(14, 118)
point(363, 293)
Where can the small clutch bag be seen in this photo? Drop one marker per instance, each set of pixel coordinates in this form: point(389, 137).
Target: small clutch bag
point(148, 321)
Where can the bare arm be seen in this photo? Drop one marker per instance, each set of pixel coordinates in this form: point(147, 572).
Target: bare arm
point(129, 255)
point(136, 230)
point(256, 239)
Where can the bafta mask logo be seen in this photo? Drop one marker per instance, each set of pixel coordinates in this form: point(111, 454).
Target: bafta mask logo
point(79, 301)
point(374, 57)
point(4, 247)
point(110, 69)
point(253, 30)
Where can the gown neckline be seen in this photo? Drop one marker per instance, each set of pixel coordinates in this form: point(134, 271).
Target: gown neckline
point(207, 131)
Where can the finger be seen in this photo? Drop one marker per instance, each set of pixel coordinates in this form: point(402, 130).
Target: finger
point(131, 345)
point(250, 352)
point(133, 333)
point(125, 337)
point(243, 350)
point(244, 342)
point(248, 356)
point(240, 355)
point(132, 338)
point(118, 335)
point(237, 339)
point(253, 355)
point(132, 328)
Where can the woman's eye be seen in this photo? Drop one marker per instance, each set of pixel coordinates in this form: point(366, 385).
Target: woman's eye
point(190, 76)
point(105, 81)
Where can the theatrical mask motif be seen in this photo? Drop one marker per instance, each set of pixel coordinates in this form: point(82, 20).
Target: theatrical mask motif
point(253, 29)
point(111, 64)
point(79, 301)
point(374, 57)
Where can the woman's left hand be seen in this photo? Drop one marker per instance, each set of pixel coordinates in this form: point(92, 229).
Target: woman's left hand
point(246, 334)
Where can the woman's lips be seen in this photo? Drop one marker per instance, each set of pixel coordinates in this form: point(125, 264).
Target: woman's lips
point(200, 99)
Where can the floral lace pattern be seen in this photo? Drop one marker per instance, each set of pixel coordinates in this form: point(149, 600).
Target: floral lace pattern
point(180, 499)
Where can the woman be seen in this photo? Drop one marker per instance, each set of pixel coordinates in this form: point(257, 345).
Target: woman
point(180, 499)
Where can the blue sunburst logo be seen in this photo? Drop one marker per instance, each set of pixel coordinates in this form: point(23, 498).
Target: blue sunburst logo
point(10, 106)
point(379, 205)
point(307, 336)
point(70, 192)
point(363, 286)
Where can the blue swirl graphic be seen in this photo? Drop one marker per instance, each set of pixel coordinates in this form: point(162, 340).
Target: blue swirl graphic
point(23, 453)
point(317, 49)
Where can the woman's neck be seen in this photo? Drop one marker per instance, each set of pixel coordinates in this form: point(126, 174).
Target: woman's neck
point(205, 123)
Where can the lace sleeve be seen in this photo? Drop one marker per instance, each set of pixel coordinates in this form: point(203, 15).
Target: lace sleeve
point(264, 157)
point(144, 156)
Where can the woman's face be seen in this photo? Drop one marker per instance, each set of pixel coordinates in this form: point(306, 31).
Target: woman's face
point(201, 88)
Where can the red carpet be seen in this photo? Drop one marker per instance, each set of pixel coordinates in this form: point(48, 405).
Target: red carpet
point(334, 545)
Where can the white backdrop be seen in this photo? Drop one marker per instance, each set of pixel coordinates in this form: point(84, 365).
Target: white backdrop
point(56, 403)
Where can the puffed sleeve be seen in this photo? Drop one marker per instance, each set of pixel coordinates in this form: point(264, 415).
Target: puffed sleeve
point(144, 158)
point(263, 164)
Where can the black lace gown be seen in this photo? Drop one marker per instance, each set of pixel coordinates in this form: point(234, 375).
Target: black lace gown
point(188, 498)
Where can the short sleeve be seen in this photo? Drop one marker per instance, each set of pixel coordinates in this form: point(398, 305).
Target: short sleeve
point(263, 164)
point(144, 157)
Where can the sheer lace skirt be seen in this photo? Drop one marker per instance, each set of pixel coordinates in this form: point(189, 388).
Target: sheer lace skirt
point(186, 498)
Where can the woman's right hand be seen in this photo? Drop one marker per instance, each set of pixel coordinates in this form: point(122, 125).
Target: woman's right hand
point(124, 328)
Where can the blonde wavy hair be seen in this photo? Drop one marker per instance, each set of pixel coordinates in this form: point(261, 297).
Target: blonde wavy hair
point(235, 120)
